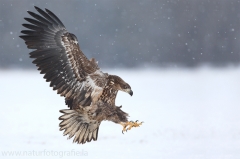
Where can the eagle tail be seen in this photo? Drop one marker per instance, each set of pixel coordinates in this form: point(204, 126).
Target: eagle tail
point(76, 124)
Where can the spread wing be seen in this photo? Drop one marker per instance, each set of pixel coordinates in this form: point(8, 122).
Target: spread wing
point(59, 57)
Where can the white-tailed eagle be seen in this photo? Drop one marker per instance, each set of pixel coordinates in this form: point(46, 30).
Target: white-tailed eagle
point(89, 93)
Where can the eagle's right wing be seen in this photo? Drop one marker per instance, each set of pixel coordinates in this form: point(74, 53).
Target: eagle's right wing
point(59, 57)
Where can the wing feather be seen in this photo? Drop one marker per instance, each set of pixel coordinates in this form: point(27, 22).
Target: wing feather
point(58, 56)
point(45, 15)
point(33, 27)
point(55, 18)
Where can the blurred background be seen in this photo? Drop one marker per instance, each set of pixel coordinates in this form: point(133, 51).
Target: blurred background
point(135, 33)
point(181, 58)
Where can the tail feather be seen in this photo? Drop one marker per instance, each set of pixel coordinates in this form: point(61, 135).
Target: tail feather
point(89, 136)
point(69, 124)
point(65, 122)
point(95, 135)
point(86, 135)
point(80, 139)
point(77, 133)
point(70, 128)
point(66, 116)
point(79, 125)
point(74, 130)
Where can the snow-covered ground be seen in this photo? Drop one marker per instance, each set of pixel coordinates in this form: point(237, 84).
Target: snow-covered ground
point(187, 114)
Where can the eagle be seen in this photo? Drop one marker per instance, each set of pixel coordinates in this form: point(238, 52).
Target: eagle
point(89, 93)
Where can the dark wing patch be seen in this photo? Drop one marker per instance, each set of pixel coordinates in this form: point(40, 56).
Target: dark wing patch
point(69, 102)
point(58, 56)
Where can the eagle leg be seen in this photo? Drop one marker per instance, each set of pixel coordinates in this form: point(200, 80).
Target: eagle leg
point(128, 125)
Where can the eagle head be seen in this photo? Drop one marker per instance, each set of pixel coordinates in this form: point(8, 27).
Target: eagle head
point(119, 84)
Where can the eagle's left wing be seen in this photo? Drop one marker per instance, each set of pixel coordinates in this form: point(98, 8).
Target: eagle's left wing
point(60, 58)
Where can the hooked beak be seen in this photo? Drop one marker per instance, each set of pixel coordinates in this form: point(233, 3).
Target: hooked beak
point(130, 92)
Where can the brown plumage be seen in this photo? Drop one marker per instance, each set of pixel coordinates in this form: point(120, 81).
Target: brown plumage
point(89, 93)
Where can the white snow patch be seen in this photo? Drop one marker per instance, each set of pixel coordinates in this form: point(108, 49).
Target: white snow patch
point(186, 114)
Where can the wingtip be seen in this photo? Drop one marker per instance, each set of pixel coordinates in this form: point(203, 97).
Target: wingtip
point(38, 9)
point(22, 37)
point(22, 31)
point(31, 13)
point(47, 10)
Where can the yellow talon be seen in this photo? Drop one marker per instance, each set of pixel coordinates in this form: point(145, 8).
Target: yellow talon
point(128, 125)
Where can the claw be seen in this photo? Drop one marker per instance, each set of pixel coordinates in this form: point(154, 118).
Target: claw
point(128, 125)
